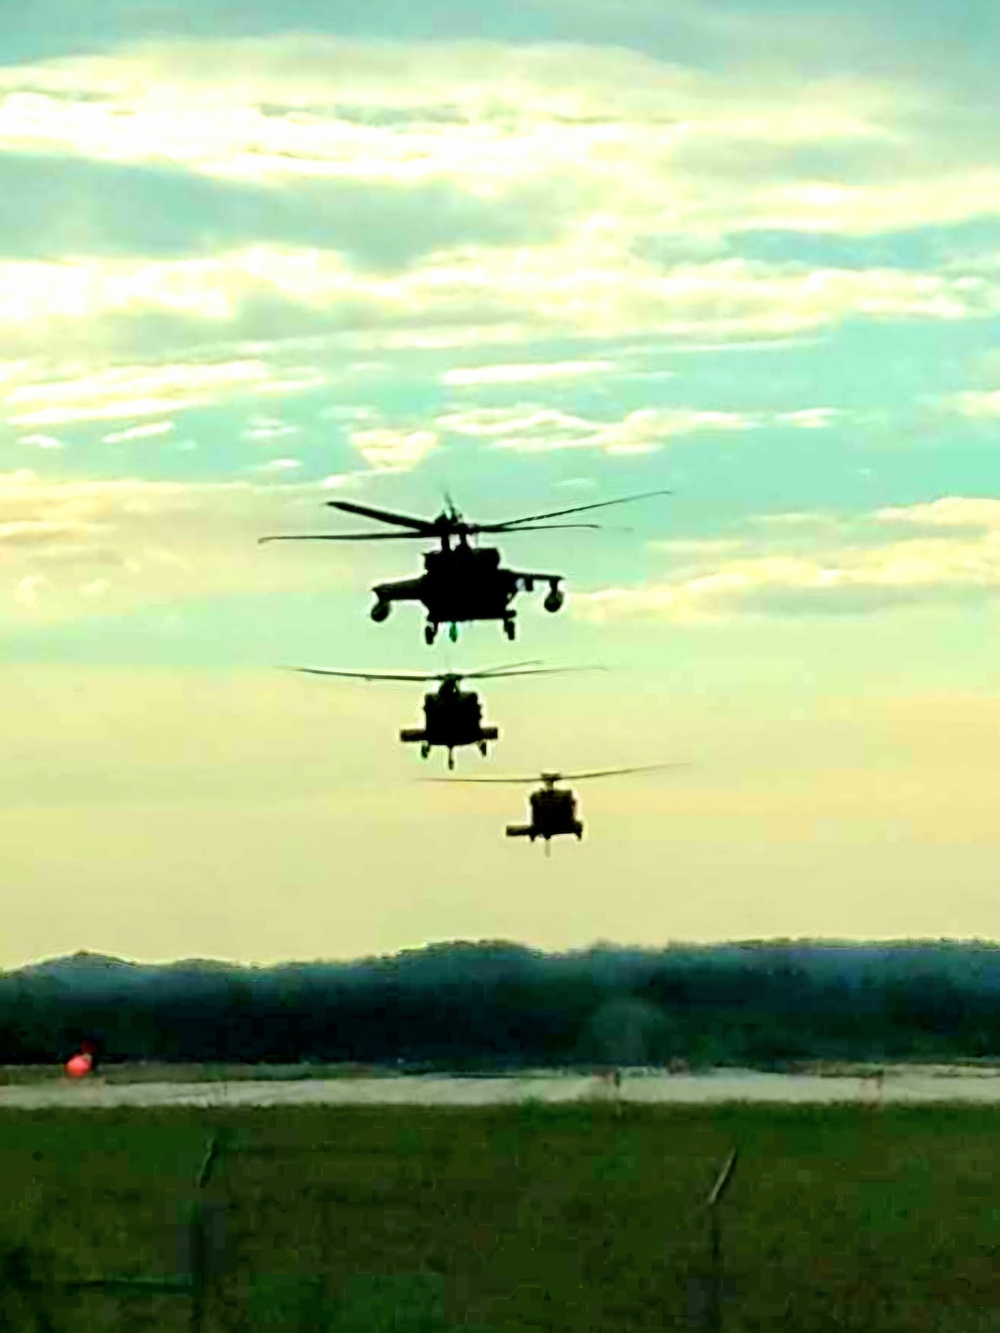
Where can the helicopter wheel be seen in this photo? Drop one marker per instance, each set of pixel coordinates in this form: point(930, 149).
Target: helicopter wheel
point(430, 633)
point(453, 632)
point(483, 749)
point(424, 751)
point(509, 629)
point(451, 760)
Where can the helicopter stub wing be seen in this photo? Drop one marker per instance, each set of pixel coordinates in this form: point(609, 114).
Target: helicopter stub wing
point(525, 574)
point(400, 591)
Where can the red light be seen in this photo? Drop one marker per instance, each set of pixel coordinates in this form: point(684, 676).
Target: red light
point(79, 1065)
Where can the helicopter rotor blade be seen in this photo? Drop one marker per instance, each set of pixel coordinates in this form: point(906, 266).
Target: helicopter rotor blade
point(550, 778)
point(612, 772)
point(576, 509)
point(509, 666)
point(426, 527)
point(371, 675)
point(529, 527)
point(520, 782)
point(342, 537)
point(500, 673)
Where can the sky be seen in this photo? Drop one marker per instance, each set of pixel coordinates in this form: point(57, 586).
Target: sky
point(257, 257)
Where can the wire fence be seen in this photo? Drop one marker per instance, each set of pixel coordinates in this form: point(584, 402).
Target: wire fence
point(34, 1285)
point(716, 1278)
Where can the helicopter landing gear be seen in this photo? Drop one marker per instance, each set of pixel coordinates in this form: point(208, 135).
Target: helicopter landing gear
point(451, 759)
point(555, 598)
point(578, 830)
point(509, 628)
point(425, 750)
point(380, 611)
point(483, 749)
point(430, 632)
point(453, 632)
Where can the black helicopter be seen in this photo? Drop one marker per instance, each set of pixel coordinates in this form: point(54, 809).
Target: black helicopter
point(452, 717)
point(460, 582)
point(553, 809)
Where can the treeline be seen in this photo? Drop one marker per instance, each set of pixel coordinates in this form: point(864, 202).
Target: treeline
point(493, 1006)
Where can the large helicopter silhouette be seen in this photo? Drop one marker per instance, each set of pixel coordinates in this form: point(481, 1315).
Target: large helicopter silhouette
point(461, 582)
point(553, 809)
point(452, 717)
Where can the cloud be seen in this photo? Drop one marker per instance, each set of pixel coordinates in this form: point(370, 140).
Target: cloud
point(264, 429)
point(980, 404)
point(955, 513)
point(64, 205)
point(393, 449)
point(809, 418)
point(128, 542)
point(136, 391)
point(650, 141)
point(532, 428)
point(279, 465)
point(149, 431)
point(852, 567)
point(269, 295)
point(393, 194)
point(42, 441)
point(471, 376)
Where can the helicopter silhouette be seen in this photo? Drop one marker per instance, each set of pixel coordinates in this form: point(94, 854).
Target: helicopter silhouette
point(461, 582)
point(553, 809)
point(452, 717)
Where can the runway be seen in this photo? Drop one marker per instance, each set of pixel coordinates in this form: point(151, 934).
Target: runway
point(903, 1085)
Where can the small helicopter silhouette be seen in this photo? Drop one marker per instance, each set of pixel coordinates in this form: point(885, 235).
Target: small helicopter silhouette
point(460, 582)
point(553, 810)
point(452, 717)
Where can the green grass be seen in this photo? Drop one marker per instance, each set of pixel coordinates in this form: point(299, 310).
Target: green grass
point(528, 1218)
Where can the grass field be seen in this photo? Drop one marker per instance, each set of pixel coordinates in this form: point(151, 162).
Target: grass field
point(529, 1218)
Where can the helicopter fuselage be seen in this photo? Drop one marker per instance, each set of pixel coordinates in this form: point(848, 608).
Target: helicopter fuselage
point(452, 718)
point(553, 814)
point(464, 583)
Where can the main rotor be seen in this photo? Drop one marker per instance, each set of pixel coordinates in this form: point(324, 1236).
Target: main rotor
point(550, 779)
point(450, 525)
point(452, 678)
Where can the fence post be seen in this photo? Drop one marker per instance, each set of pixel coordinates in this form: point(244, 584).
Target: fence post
point(198, 1239)
point(705, 1294)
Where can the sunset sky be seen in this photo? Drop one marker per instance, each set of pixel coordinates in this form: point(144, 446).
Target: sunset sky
point(256, 257)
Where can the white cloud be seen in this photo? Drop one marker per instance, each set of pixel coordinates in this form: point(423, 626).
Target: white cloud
point(279, 465)
point(135, 391)
point(27, 590)
point(266, 429)
point(530, 428)
point(978, 403)
point(467, 376)
point(643, 154)
point(950, 511)
point(456, 300)
point(127, 542)
point(810, 418)
point(651, 147)
point(392, 449)
point(43, 441)
point(147, 432)
point(855, 566)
